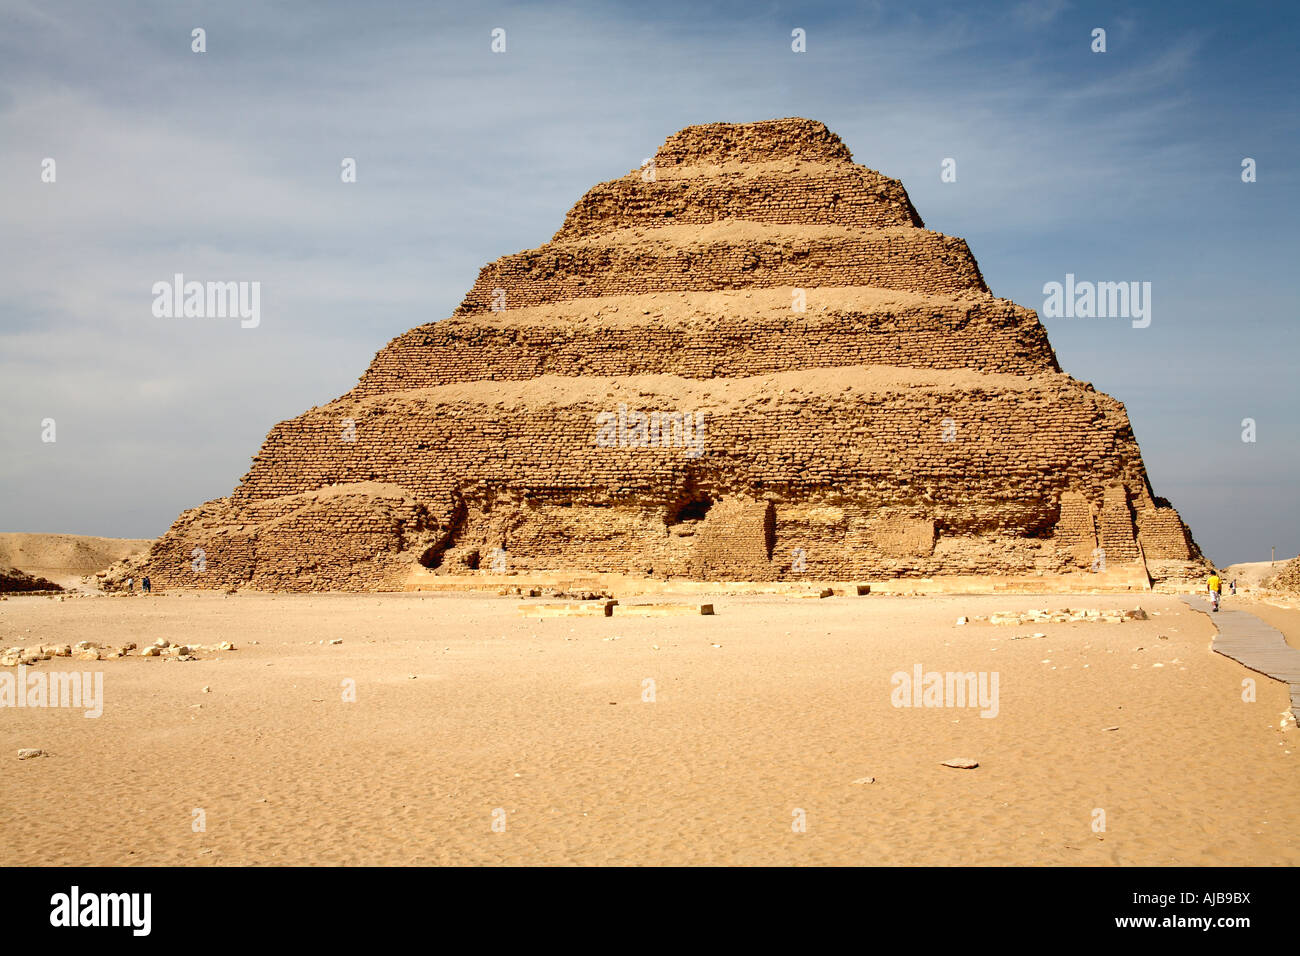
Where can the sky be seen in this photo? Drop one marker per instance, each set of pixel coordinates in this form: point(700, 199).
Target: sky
point(1117, 166)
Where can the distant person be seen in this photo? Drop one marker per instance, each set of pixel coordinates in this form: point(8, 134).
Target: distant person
point(1215, 586)
point(130, 585)
point(144, 585)
point(1233, 586)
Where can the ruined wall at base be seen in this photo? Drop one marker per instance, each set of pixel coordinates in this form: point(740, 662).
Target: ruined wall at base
point(877, 445)
point(734, 542)
point(864, 482)
point(357, 542)
point(1163, 535)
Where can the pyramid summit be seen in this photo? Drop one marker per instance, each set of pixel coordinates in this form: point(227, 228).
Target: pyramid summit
point(748, 360)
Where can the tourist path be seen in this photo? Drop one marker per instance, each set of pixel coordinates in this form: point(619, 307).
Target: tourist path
point(1249, 641)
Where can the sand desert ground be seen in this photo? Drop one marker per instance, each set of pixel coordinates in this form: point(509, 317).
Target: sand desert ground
point(773, 705)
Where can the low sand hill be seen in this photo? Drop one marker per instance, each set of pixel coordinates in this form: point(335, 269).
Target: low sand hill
point(65, 558)
point(1257, 574)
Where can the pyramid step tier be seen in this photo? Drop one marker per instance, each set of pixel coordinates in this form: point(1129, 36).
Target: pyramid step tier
point(844, 195)
point(716, 334)
point(886, 434)
point(869, 471)
point(727, 255)
point(764, 141)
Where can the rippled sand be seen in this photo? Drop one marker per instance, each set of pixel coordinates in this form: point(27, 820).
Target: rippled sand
point(543, 724)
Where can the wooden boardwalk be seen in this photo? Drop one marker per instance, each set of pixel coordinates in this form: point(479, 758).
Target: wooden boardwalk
point(1259, 646)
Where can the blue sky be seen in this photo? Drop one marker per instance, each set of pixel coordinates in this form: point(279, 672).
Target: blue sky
point(1115, 166)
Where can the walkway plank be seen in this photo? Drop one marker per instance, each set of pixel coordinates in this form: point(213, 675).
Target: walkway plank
point(1250, 642)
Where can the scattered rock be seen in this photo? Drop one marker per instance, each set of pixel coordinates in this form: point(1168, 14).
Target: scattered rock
point(337, 640)
point(961, 763)
point(864, 780)
point(29, 752)
point(1063, 616)
point(1116, 727)
point(961, 620)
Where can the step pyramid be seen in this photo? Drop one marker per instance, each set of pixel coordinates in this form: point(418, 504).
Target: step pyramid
point(747, 360)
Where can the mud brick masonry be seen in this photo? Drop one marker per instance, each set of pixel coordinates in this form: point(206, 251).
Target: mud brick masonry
point(868, 408)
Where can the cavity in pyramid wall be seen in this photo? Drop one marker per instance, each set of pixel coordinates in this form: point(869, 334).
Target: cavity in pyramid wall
point(750, 362)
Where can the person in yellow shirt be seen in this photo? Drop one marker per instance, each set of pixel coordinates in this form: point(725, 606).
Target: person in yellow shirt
point(1215, 586)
